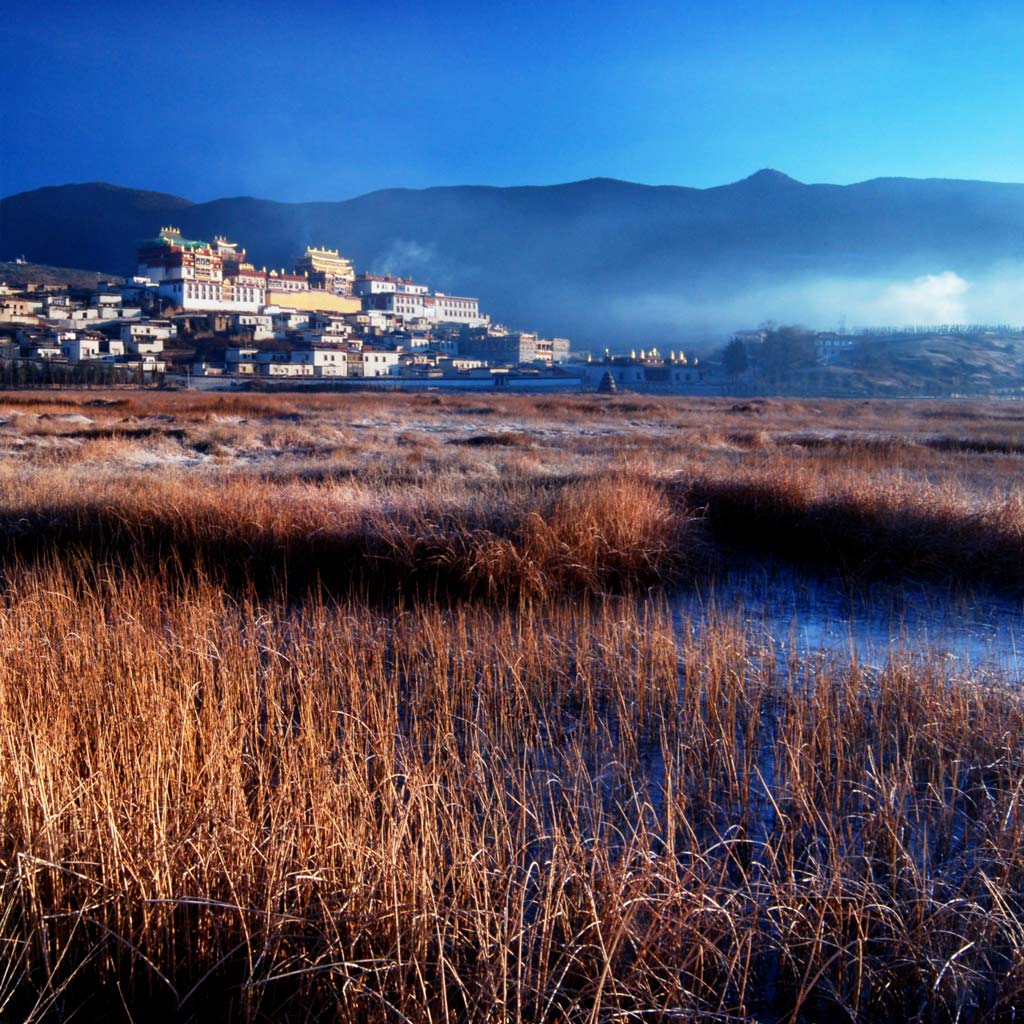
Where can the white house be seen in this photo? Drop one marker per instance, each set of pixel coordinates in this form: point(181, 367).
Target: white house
point(77, 349)
point(325, 361)
point(146, 337)
point(376, 363)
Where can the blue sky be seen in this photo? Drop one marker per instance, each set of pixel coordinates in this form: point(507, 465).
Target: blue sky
point(330, 100)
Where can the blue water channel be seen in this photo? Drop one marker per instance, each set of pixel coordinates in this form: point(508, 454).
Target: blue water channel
point(971, 632)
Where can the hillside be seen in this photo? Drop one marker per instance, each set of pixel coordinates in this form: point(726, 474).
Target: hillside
point(962, 363)
point(21, 274)
point(603, 261)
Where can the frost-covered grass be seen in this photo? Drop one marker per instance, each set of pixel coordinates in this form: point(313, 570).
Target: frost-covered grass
point(460, 492)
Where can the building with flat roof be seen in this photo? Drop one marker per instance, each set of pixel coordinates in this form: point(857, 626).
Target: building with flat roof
point(455, 309)
point(512, 348)
point(377, 284)
point(404, 298)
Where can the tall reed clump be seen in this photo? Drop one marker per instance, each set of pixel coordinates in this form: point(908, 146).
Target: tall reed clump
point(236, 808)
point(613, 531)
point(862, 524)
point(609, 531)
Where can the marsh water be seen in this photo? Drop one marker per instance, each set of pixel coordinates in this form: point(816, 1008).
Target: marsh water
point(797, 615)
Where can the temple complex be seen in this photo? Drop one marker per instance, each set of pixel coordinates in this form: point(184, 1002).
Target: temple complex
point(197, 275)
point(327, 270)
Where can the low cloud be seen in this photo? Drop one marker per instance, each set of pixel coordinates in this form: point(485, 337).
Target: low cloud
point(826, 302)
point(940, 298)
point(929, 299)
point(406, 258)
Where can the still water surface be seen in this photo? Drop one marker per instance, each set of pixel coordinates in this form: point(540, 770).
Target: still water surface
point(977, 633)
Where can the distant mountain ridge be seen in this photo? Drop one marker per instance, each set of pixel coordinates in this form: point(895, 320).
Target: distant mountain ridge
point(602, 261)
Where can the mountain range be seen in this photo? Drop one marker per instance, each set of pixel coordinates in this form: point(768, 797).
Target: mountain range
point(602, 261)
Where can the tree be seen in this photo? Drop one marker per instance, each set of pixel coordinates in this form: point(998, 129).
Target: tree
point(787, 349)
point(735, 358)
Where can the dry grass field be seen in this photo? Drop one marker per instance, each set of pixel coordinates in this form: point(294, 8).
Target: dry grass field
point(372, 708)
point(473, 496)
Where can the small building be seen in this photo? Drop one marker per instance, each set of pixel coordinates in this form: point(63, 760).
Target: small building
point(641, 374)
point(377, 363)
point(108, 305)
point(146, 337)
point(241, 360)
point(208, 369)
point(828, 346)
point(326, 361)
point(285, 320)
point(282, 368)
point(80, 348)
point(259, 325)
point(16, 309)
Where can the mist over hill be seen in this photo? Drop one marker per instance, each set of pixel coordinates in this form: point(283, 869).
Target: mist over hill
point(608, 262)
